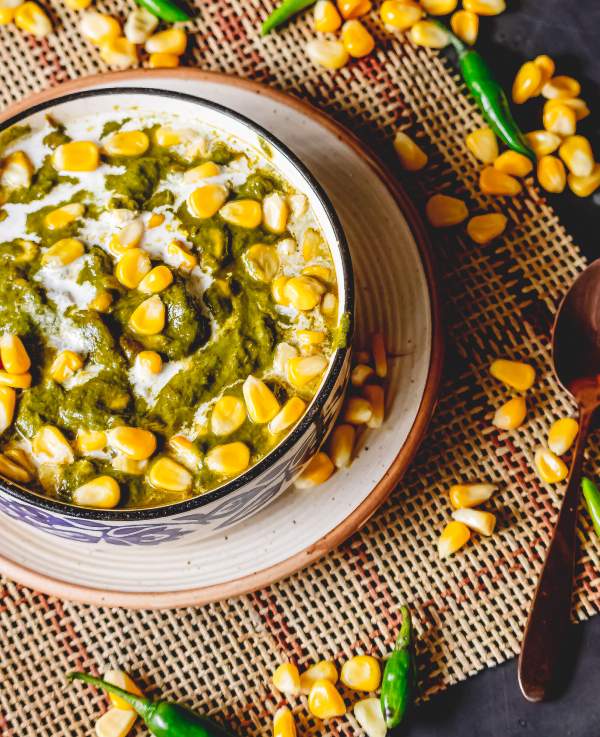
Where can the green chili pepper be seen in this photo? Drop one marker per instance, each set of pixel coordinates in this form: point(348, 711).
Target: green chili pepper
point(591, 494)
point(398, 682)
point(162, 718)
point(284, 12)
point(489, 96)
point(165, 10)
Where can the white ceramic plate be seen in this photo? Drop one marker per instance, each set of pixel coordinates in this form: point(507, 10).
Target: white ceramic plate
point(395, 294)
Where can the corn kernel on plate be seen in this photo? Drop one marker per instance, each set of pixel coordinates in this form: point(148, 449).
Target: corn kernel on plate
point(399, 299)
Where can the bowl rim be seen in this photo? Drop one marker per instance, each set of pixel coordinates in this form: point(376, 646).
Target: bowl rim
point(318, 401)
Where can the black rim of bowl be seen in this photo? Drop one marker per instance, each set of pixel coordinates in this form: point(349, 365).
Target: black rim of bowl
point(176, 508)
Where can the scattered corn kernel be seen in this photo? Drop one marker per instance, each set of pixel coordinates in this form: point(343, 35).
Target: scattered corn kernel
point(49, 442)
point(16, 381)
point(7, 15)
point(65, 365)
point(165, 473)
point(32, 18)
point(63, 252)
point(465, 25)
point(327, 53)
point(470, 495)
point(13, 353)
point(275, 212)
point(483, 144)
point(353, 8)
point(484, 228)
point(494, 182)
point(439, 7)
point(454, 536)
point(369, 715)
point(101, 302)
point(127, 143)
point(302, 370)
point(133, 442)
point(261, 403)
point(171, 41)
point(400, 14)
point(326, 18)
point(203, 171)
point(324, 700)
point(561, 87)
point(341, 445)
point(357, 411)
point(229, 414)
point(576, 104)
point(514, 163)
point(562, 435)
point(361, 373)
point(8, 399)
point(376, 398)
point(243, 213)
point(443, 211)
point(546, 66)
point(149, 317)
point(585, 186)
point(317, 471)
point(132, 267)
point(115, 723)
point(14, 471)
point(229, 459)
point(517, 375)
point(511, 415)
point(527, 82)
point(361, 673)
point(324, 669)
point(149, 361)
point(287, 416)
point(262, 262)
point(163, 61)
point(427, 33)
point(102, 492)
point(286, 679)
point(77, 156)
point(303, 292)
point(119, 53)
point(411, 155)
point(63, 216)
point(357, 40)
point(88, 441)
point(122, 680)
point(140, 24)
point(577, 154)
point(475, 519)
point(485, 7)
point(99, 27)
point(543, 142)
point(16, 171)
point(551, 469)
point(560, 119)
point(551, 174)
point(157, 279)
point(283, 723)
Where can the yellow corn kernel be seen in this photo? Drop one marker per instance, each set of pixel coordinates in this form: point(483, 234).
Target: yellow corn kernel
point(485, 7)
point(465, 25)
point(369, 715)
point(102, 492)
point(323, 670)
point(286, 679)
point(411, 155)
point(439, 7)
point(317, 471)
point(203, 171)
point(484, 228)
point(8, 398)
point(127, 237)
point(546, 66)
point(324, 273)
point(312, 243)
point(483, 144)
point(126, 465)
point(443, 211)
point(149, 361)
point(13, 470)
point(427, 33)
point(99, 27)
point(167, 136)
point(133, 442)
point(122, 680)
point(186, 261)
point(115, 723)
point(326, 18)
point(33, 19)
point(140, 24)
point(63, 252)
point(163, 61)
point(229, 414)
point(517, 375)
point(357, 411)
point(494, 182)
point(171, 41)
point(357, 40)
point(561, 87)
point(149, 317)
point(511, 414)
point(560, 119)
point(15, 359)
point(302, 370)
point(303, 292)
point(543, 142)
point(287, 416)
point(308, 338)
point(260, 401)
point(551, 469)
point(157, 279)
point(283, 723)
point(262, 262)
point(361, 373)
point(475, 519)
point(16, 381)
point(101, 302)
point(65, 365)
point(577, 105)
point(327, 53)
point(88, 441)
point(186, 452)
point(374, 394)
point(341, 445)
point(132, 267)
point(165, 473)
point(206, 201)
point(585, 186)
point(278, 290)
point(21, 458)
point(470, 495)
point(454, 536)
point(577, 154)
point(527, 82)
point(51, 444)
point(400, 14)
point(63, 216)
point(127, 143)
point(514, 163)
point(16, 171)
point(275, 212)
point(229, 459)
point(243, 213)
point(324, 700)
point(353, 8)
point(551, 174)
point(562, 435)
point(329, 306)
point(77, 156)
point(155, 220)
point(361, 673)
point(379, 353)
point(119, 52)
point(7, 15)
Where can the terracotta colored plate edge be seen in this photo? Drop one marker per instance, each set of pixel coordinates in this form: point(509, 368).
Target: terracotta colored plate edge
point(251, 582)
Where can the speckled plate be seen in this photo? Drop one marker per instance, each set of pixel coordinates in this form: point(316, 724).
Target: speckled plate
point(395, 293)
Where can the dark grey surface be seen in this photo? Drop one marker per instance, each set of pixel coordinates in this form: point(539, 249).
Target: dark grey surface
point(490, 704)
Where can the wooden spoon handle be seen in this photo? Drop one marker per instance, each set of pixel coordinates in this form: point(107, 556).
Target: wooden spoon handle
point(550, 612)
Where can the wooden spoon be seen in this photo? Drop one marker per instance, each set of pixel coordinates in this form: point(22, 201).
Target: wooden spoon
point(576, 356)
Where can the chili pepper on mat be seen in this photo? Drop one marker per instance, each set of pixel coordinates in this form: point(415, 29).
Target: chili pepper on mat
point(283, 12)
point(398, 682)
point(489, 96)
point(591, 494)
point(163, 719)
point(165, 10)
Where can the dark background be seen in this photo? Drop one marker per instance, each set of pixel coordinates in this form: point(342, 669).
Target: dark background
point(490, 704)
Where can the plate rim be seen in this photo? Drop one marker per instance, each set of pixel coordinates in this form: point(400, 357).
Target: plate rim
point(201, 595)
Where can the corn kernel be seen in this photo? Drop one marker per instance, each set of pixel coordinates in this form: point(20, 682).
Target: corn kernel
point(376, 398)
point(262, 262)
point(157, 279)
point(309, 338)
point(412, 157)
point(16, 381)
point(140, 24)
point(305, 369)
point(33, 19)
point(560, 119)
point(511, 415)
point(353, 8)
point(324, 700)
point(77, 156)
point(127, 237)
point(167, 136)
point(127, 465)
point(206, 201)
point(577, 105)
point(163, 61)
point(65, 365)
point(484, 228)
point(99, 27)
point(517, 375)
point(551, 174)
point(149, 317)
point(323, 273)
point(119, 52)
point(303, 292)
point(16, 171)
point(286, 679)
point(483, 144)
point(551, 469)
point(171, 41)
point(369, 714)
point(13, 353)
point(115, 723)
point(283, 353)
point(341, 445)
point(326, 18)
point(260, 401)
point(443, 211)
point(203, 171)
point(527, 82)
point(453, 537)
point(329, 305)
point(429, 34)
point(562, 435)
point(122, 680)
point(184, 260)
point(361, 673)
point(543, 142)
point(102, 492)
point(229, 459)
point(155, 220)
point(561, 87)
point(317, 471)
point(324, 669)
point(287, 416)
point(88, 441)
point(357, 411)
point(7, 15)
point(470, 495)
point(585, 186)
point(400, 15)
point(275, 212)
point(149, 361)
point(165, 473)
point(577, 154)
point(63, 252)
point(63, 216)
point(51, 444)
point(485, 7)
point(8, 399)
point(546, 66)
point(465, 25)
point(357, 40)
point(327, 53)
point(361, 373)
point(101, 302)
point(312, 243)
point(379, 352)
point(14, 471)
point(283, 723)
point(439, 7)
point(494, 182)
point(514, 163)
point(132, 442)
point(132, 267)
point(229, 414)
point(127, 143)
point(475, 519)
point(243, 213)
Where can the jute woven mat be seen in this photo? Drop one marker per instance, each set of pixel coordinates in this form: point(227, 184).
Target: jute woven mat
point(499, 300)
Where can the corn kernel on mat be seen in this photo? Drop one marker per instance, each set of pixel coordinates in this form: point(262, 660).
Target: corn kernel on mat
point(498, 301)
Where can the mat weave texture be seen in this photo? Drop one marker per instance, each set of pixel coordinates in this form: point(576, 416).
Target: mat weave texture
point(498, 301)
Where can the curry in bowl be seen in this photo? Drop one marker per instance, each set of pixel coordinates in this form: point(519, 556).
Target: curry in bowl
point(168, 308)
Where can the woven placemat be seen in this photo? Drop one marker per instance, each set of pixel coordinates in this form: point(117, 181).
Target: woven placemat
point(499, 300)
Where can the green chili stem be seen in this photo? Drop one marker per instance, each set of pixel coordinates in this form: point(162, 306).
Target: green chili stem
point(591, 495)
point(284, 12)
point(405, 634)
point(166, 10)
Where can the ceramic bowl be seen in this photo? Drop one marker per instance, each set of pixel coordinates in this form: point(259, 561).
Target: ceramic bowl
point(252, 491)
